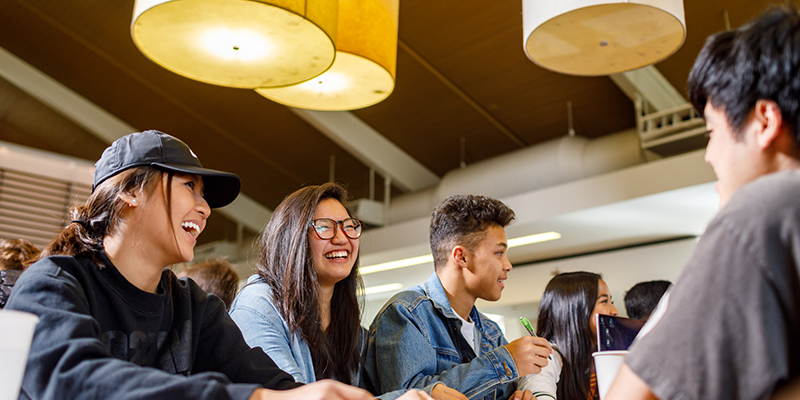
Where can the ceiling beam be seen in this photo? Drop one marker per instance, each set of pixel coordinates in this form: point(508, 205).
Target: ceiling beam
point(103, 124)
point(371, 148)
point(653, 87)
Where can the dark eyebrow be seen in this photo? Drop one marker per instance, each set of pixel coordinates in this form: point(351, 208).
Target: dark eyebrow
point(603, 295)
point(503, 245)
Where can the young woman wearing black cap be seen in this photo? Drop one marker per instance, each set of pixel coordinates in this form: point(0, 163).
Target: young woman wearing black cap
point(113, 323)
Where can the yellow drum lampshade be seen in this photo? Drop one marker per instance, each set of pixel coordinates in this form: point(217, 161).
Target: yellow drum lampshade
point(366, 61)
point(601, 37)
point(238, 43)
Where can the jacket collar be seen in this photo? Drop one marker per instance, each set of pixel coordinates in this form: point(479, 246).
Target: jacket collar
point(435, 291)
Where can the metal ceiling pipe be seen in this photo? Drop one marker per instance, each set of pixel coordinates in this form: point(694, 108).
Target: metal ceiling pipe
point(551, 163)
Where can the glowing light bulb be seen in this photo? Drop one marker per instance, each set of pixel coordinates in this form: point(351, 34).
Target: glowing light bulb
point(241, 45)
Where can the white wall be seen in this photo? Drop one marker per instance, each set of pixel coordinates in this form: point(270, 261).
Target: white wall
point(620, 269)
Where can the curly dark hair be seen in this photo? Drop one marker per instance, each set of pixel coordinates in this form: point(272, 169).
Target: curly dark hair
point(462, 220)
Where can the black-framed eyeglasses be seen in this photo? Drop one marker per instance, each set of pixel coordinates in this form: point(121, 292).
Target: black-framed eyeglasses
point(325, 228)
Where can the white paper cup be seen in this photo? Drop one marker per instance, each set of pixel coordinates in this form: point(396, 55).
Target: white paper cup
point(606, 365)
point(16, 333)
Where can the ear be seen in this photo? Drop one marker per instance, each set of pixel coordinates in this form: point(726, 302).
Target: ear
point(129, 198)
point(767, 115)
point(459, 255)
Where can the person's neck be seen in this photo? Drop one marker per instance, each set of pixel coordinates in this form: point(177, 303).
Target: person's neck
point(325, 296)
point(138, 266)
point(456, 289)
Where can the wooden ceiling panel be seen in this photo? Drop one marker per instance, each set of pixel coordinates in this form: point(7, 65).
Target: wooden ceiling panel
point(704, 18)
point(231, 129)
point(427, 119)
point(462, 73)
point(480, 49)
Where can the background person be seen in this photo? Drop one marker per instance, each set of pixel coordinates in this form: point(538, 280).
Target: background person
point(302, 306)
point(433, 333)
point(215, 276)
point(567, 320)
point(15, 255)
point(643, 297)
point(114, 323)
point(728, 328)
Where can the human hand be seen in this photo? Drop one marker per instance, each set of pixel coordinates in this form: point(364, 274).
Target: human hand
point(416, 395)
point(530, 354)
point(321, 390)
point(442, 392)
point(519, 395)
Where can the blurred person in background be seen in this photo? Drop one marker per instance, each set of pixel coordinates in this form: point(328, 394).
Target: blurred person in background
point(215, 276)
point(15, 255)
point(643, 297)
point(567, 320)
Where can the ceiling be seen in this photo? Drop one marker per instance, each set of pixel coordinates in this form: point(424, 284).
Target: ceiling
point(461, 73)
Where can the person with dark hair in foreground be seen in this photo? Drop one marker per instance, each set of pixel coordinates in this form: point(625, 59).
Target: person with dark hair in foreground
point(15, 255)
point(433, 332)
point(729, 327)
point(215, 276)
point(643, 297)
point(114, 323)
point(567, 320)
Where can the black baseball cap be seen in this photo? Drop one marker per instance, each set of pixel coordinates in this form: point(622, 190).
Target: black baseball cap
point(157, 149)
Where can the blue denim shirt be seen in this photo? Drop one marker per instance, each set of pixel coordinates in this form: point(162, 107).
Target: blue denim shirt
point(263, 326)
point(416, 340)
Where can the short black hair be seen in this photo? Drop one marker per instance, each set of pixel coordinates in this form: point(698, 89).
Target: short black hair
point(463, 220)
point(758, 61)
point(643, 298)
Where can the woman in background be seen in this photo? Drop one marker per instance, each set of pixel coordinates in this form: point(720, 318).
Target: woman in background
point(113, 322)
point(567, 319)
point(302, 306)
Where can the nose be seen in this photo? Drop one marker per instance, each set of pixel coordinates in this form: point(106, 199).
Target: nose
point(338, 234)
point(507, 264)
point(614, 311)
point(202, 207)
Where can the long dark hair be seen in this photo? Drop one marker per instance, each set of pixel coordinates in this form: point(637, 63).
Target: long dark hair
point(284, 261)
point(564, 313)
point(101, 214)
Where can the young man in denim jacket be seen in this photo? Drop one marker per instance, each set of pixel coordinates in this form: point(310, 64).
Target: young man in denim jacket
point(433, 332)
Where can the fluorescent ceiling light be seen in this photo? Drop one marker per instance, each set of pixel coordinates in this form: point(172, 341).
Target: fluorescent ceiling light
point(380, 289)
point(407, 262)
point(530, 239)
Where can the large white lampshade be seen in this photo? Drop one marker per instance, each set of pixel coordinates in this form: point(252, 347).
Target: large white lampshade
point(238, 43)
point(601, 37)
point(366, 60)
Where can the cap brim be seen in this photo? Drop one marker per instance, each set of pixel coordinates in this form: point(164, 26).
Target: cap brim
point(221, 188)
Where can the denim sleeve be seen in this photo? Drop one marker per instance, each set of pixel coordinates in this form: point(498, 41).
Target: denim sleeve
point(400, 355)
point(260, 331)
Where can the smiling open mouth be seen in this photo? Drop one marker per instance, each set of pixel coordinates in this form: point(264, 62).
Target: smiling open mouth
point(191, 227)
point(337, 255)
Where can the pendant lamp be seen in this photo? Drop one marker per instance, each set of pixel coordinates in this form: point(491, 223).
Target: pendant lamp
point(366, 60)
point(601, 37)
point(238, 43)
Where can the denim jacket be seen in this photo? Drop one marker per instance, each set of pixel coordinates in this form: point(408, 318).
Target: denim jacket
point(415, 340)
point(263, 326)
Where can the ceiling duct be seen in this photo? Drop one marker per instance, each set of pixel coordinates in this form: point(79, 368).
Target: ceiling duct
point(550, 163)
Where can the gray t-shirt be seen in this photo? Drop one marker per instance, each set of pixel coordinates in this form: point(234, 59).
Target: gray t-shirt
point(731, 328)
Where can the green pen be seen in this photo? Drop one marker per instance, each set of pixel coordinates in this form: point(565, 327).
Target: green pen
point(527, 325)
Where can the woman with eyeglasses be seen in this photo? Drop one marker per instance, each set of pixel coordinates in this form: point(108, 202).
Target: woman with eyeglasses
point(302, 306)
